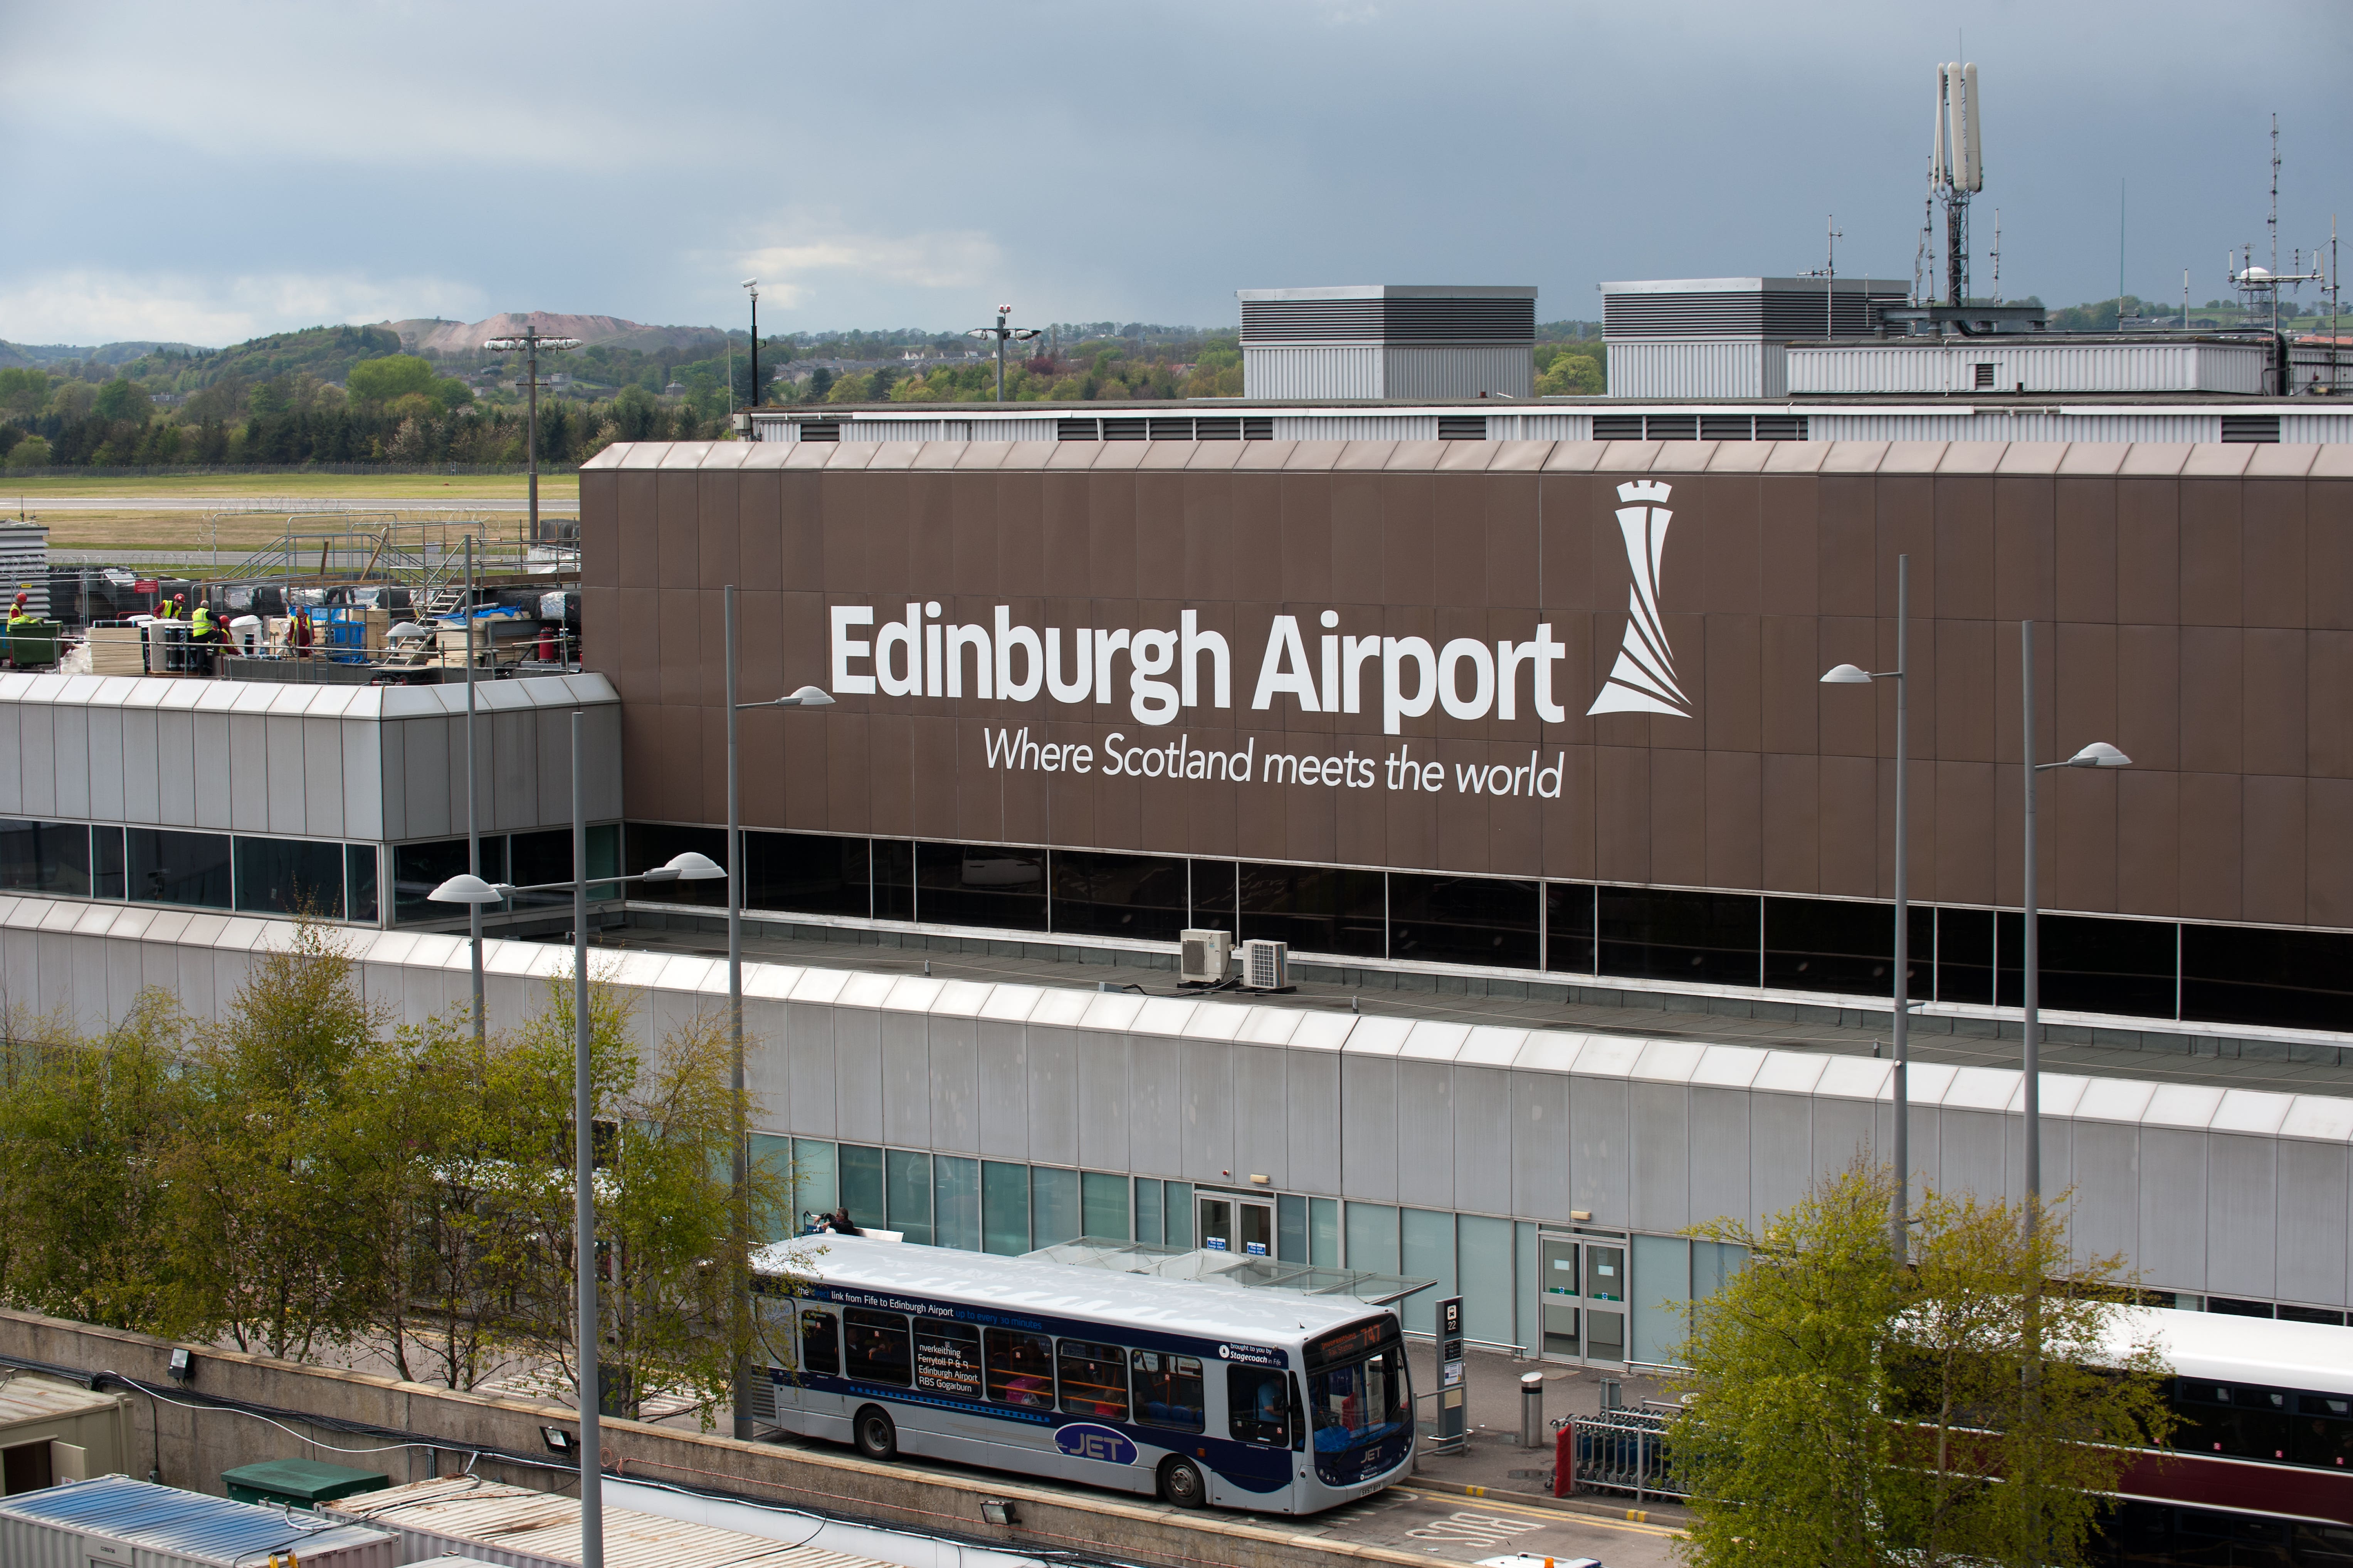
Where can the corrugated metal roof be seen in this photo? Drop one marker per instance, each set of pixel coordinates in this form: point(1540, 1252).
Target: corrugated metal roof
point(521, 1529)
point(193, 1527)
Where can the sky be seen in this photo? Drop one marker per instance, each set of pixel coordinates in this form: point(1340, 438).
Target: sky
point(207, 173)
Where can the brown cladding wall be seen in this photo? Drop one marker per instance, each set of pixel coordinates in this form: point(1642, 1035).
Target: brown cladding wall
point(2195, 608)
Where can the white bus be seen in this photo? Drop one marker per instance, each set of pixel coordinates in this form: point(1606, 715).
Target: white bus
point(1204, 1394)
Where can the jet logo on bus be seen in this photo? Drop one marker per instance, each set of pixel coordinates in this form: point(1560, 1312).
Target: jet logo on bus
point(1082, 1441)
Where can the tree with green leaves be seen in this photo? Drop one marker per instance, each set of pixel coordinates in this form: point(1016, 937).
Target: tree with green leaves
point(1847, 1408)
point(393, 376)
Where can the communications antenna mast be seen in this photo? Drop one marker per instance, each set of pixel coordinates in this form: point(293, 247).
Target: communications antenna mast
point(2258, 285)
point(1957, 169)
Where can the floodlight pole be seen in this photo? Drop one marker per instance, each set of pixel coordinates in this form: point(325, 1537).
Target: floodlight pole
point(754, 287)
point(1002, 333)
point(529, 345)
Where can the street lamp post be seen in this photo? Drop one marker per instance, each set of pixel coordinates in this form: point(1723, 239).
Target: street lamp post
point(473, 833)
point(739, 1304)
point(1001, 332)
point(529, 345)
point(1899, 1220)
point(471, 890)
point(2098, 754)
point(752, 285)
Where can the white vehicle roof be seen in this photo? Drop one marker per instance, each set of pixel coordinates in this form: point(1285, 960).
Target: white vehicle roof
point(1173, 1305)
point(2316, 1357)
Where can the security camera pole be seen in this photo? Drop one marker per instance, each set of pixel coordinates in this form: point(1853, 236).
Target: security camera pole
point(1001, 332)
point(530, 343)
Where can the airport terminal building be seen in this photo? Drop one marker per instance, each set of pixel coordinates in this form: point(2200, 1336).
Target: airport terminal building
point(1531, 719)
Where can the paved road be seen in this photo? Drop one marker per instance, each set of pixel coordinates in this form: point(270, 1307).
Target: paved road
point(1465, 1529)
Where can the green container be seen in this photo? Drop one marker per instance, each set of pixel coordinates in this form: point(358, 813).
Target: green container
point(299, 1483)
point(35, 645)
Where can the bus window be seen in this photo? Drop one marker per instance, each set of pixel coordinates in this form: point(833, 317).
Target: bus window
point(819, 1349)
point(1020, 1368)
point(947, 1359)
point(2323, 1545)
point(2323, 1431)
point(1167, 1390)
point(1358, 1404)
point(877, 1346)
point(1257, 1406)
point(1094, 1379)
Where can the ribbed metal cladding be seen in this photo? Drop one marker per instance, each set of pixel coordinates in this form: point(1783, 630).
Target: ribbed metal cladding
point(1774, 313)
point(1424, 320)
point(1736, 368)
point(2034, 368)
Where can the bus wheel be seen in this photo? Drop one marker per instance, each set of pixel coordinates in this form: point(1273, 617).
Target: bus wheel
point(875, 1436)
point(1181, 1483)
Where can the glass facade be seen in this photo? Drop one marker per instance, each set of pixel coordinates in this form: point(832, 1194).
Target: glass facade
point(2132, 968)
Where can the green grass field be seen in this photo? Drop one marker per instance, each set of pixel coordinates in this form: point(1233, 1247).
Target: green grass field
point(428, 488)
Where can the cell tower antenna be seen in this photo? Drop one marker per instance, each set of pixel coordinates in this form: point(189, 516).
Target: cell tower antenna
point(1957, 168)
point(2275, 218)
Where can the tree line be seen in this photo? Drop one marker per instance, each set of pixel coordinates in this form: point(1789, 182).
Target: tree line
point(301, 1179)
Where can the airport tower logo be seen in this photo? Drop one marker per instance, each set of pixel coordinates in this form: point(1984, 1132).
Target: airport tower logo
point(1643, 680)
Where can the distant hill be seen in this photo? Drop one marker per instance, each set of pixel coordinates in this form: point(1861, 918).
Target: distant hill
point(16, 356)
point(327, 353)
point(432, 335)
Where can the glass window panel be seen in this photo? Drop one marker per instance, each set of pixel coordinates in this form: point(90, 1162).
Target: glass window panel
point(290, 876)
point(1713, 1263)
point(1315, 908)
point(1177, 1211)
point(542, 857)
point(894, 879)
point(1167, 1390)
point(877, 1346)
point(947, 1358)
point(651, 844)
point(46, 857)
point(1257, 1406)
point(604, 858)
point(955, 1202)
point(167, 867)
point(907, 1182)
point(1004, 1208)
point(980, 885)
point(807, 873)
point(1373, 1238)
point(416, 870)
point(359, 883)
point(1140, 895)
point(1323, 1232)
point(1846, 946)
point(2279, 979)
point(1020, 1367)
point(1965, 956)
point(1103, 1205)
point(1560, 1310)
point(1053, 1205)
point(1148, 1223)
point(815, 1185)
point(107, 875)
point(860, 1172)
point(1463, 919)
point(1661, 1295)
point(1291, 1228)
point(1664, 934)
point(1094, 1379)
point(1426, 1252)
point(772, 1154)
point(1483, 1253)
point(2094, 965)
point(1213, 895)
point(1569, 927)
point(821, 1341)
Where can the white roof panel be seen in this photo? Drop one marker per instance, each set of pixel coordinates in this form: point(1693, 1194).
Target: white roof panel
point(820, 985)
point(1111, 1012)
point(1857, 1078)
point(2251, 1110)
point(1491, 1046)
point(1271, 1025)
point(1378, 1036)
point(1431, 1041)
point(2114, 1100)
point(1789, 1072)
point(2322, 1117)
point(1669, 1061)
point(1162, 1015)
point(2182, 1105)
point(1728, 1067)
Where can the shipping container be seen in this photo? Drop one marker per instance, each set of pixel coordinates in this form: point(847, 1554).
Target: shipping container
point(137, 1525)
point(52, 1430)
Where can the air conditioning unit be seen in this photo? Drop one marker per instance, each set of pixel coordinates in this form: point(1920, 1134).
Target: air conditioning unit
point(1266, 965)
point(1204, 957)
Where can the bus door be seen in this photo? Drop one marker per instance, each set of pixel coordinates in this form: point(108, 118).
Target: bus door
point(1233, 1223)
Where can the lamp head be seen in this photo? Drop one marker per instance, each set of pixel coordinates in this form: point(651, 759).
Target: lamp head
point(751, 283)
point(466, 889)
point(2099, 754)
point(1847, 675)
point(692, 866)
point(806, 696)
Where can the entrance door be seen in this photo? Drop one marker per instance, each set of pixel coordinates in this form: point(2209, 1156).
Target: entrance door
point(1581, 1295)
point(1233, 1223)
point(1605, 1302)
point(1562, 1300)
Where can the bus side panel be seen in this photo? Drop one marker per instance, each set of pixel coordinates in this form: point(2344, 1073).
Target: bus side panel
point(2198, 1481)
